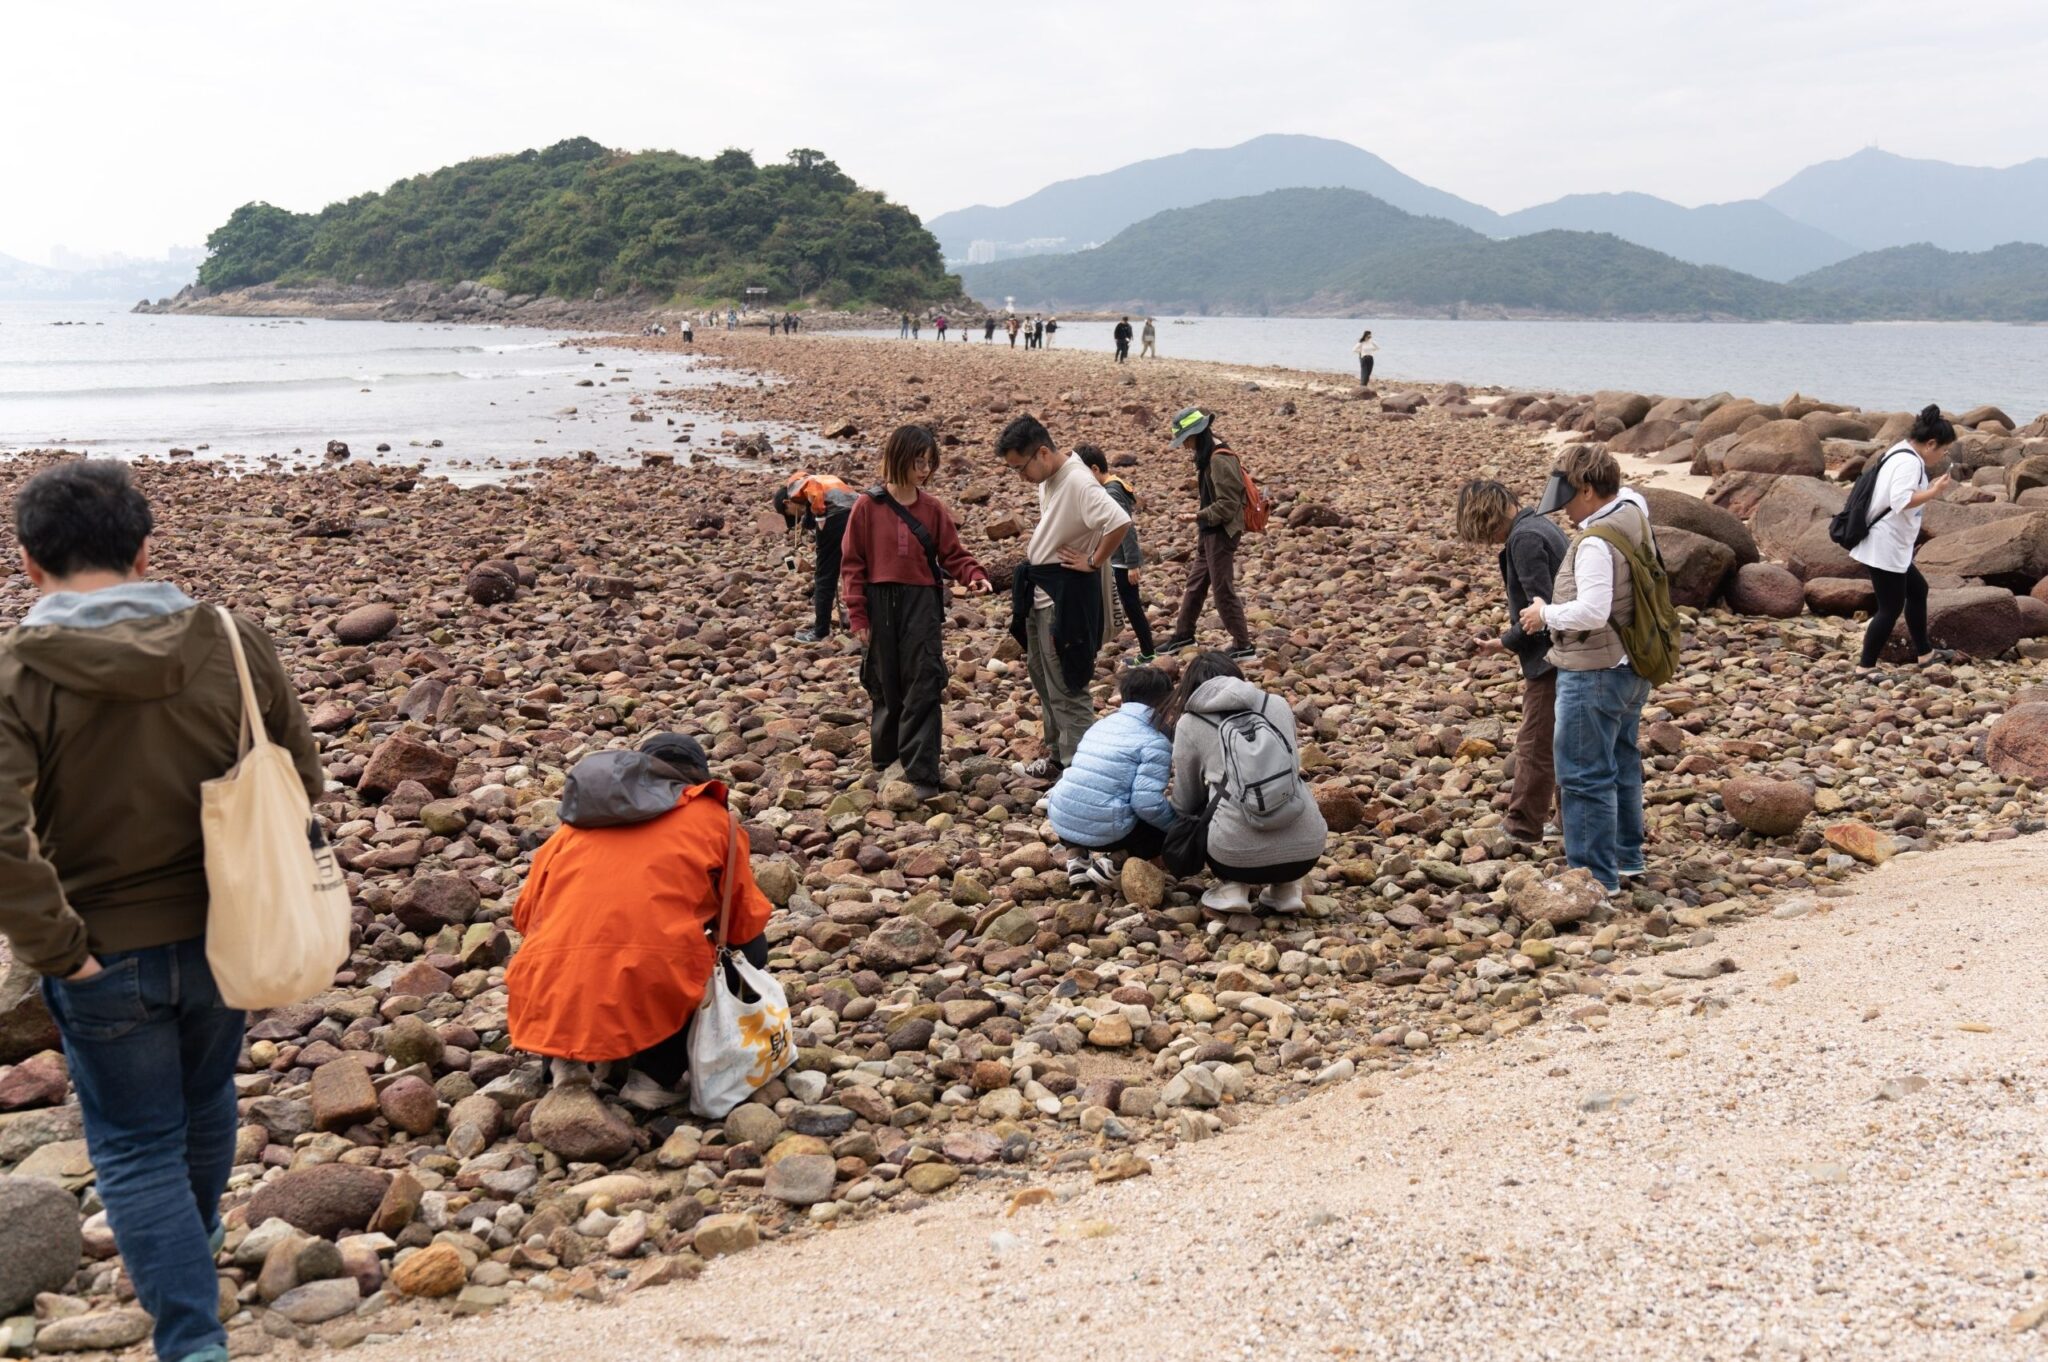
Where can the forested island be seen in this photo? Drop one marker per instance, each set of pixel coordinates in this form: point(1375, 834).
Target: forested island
point(577, 218)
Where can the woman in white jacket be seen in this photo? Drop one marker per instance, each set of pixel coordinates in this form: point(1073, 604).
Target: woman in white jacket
point(1365, 350)
point(1902, 489)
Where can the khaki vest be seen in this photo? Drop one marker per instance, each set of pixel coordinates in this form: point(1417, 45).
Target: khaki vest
point(1592, 650)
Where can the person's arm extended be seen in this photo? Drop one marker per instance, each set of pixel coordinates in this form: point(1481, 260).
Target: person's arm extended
point(953, 555)
point(34, 914)
point(1148, 785)
point(1226, 480)
point(1595, 576)
point(853, 567)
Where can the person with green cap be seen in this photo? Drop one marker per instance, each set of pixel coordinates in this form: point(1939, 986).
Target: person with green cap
point(1220, 518)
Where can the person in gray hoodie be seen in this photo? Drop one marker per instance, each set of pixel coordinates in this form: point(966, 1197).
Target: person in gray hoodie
point(1227, 735)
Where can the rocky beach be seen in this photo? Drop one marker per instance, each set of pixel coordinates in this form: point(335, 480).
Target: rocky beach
point(967, 1018)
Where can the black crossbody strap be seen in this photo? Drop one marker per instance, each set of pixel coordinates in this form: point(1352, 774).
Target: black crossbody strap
point(923, 536)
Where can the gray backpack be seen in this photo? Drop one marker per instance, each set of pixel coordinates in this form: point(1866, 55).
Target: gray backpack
point(1261, 775)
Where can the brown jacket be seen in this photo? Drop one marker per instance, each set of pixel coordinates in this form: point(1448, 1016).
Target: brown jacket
point(1222, 491)
point(105, 736)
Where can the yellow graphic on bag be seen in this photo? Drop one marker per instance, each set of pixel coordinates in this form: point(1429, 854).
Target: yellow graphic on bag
point(765, 1032)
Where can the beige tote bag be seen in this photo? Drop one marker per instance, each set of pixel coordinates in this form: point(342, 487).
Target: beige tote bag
point(277, 919)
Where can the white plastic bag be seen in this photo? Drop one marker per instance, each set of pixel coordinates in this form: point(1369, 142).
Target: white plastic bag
point(277, 914)
point(740, 1037)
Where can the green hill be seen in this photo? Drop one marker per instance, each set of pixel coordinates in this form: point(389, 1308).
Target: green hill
point(1322, 250)
point(578, 217)
point(2006, 283)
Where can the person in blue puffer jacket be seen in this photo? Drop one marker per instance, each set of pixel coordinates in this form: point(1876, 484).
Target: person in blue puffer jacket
point(1113, 797)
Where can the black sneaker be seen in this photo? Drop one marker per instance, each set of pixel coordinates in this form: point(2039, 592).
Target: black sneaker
point(1179, 643)
point(1141, 660)
point(1244, 654)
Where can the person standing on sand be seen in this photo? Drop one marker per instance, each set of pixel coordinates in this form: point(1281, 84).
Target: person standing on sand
point(1365, 350)
point(1052, 324)
point(1129, 558)
point(939, 329)
point(1059, 596)
point(901, 546)
point(988, 329)
point(1219, 517)
point(916, 328)
point(689, 332)
point(903, 331)
point(1897, 502)
point(1146, 349)
point(1011, 326)
point(1531, 547)
point(1038, 333)
point(1122, 336)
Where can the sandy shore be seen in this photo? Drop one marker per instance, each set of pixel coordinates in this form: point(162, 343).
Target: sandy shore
point(1828, 1152)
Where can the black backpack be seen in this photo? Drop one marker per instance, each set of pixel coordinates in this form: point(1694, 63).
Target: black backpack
point(1851, 525)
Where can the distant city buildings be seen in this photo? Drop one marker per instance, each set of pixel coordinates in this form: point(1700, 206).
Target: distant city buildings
point(981, 253)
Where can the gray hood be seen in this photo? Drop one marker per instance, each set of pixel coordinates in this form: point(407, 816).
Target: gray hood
point(109, 605)
point(613, 789)
point(1226, 695)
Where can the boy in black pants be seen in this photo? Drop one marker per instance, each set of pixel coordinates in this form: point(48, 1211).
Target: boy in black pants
point(1129, 558)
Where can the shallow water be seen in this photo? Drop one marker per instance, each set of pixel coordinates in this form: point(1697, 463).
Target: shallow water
point(1893, 366)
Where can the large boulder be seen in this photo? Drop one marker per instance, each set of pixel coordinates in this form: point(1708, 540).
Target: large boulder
point(1788, 448)
point(1682, 512)
point(2033, 613)
point(1980, 416)
point(1840, 595)
point(1738, 494)
point(1766, 589)
point(1646, 437)
point(1799, 406)
point(2016, 745)
point(2010, 553)
point(1981, 621)
point(577, 1127)
point(1768, 808)
point(1832, 425)
point(1791, 526)
point(1893, 428)
point(326, 1199)
point(1699, 566)
point(367, 624)
point(26, 1027)
point(1677, 410)
point(1939, 518)
point(1732, 417)
point(1627, 408)
point(2027, 474)
point(399, 759)
point(39, 1240)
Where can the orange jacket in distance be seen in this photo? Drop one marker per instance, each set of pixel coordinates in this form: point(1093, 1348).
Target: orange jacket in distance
point(814, 491)
point(616, 955)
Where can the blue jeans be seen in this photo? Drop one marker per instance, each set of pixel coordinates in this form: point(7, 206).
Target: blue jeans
point(1600, 770)
point(152, 1052)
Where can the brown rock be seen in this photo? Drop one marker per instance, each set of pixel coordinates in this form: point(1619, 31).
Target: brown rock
point(42, 1080)
point(410, 1105)
point(26, 1027)
point(369, 624)
point(1627, 408)
point(399, 759)
point(1791, 526)
point(1840, 595)
point(1982, 621)
point(343, 1095)
point(1860, 840)
point(1651, 437)
point(900, 943)
point(431, 902)
point(1571, 897)
point(1738, 493)
point(492, 583)
point(1698, 566)
point(1731, 417)
point(433, 1272)
point(1682, 512)
point(1769, 808)
point(572, 1124)
point(400, 1203)
point(1787, 448)
point(2016, 745)
point(326, 1199)
point(1766, 589)
point(1004, 527)
point(1143, 883)
point(1835, 425)
point(1341, 809)
point(2011, 553)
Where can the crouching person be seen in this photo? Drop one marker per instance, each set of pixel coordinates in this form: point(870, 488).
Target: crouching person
point(1236, 753)
point(1113, 798)
point(618, 915)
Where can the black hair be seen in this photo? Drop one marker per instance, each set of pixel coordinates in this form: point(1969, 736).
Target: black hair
point(1204, 443)
point(1203, 668)
point(1930, 424)
point(1363, 334)
point(1144, 686)
point(81, 515)
point(1093, 456)
point(1024, 435)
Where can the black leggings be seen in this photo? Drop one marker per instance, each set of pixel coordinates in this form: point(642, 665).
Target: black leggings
point(1897, 591)
point(1364, 370)
point(1134, 609)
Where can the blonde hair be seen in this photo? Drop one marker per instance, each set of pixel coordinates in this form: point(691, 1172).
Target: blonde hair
point(1485, 509)
point(1591, 466)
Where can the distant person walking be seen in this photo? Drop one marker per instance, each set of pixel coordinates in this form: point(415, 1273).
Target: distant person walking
point(1129, 558)
point(1058, 598)
point(1122, 336)
point(1365, 350)
point(939, 329)
point(1011, 327)
point(1038, 333)
point(1531, 548)
point(917, 328)
point(1146, 348)
point(1220, 518)
point(1898, 498)
point(1052, 324)
point(689, 332)
point(903, 330)
point(988, 329)
point(732, 319)
point(901, 546)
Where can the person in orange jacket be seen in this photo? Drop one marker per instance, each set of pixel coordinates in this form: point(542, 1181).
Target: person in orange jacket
point(821, 504)
point(617, 918)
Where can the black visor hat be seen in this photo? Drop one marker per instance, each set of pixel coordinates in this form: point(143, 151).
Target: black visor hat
point(1556, 492)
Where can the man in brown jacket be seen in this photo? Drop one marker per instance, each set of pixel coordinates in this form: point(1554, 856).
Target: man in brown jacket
point(118, 698)
point(1219, 516)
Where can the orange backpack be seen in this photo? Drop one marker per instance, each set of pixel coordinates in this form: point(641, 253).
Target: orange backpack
point(1256, 509)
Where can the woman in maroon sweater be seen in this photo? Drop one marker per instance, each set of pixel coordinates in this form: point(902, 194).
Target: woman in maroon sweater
point(900, 543)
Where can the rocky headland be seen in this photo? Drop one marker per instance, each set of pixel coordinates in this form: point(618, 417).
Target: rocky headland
point(965, 1014)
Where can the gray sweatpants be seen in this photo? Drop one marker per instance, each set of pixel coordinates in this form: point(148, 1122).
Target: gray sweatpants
point(1068, 714)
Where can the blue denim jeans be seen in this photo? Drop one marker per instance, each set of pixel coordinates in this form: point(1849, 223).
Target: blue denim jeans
point(1600, 770)
point(152, 1052)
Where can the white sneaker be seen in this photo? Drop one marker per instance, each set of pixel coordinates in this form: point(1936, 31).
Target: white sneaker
point(1227, 896)
point(569, 1073)
point(1283, 898)
point(644, 1094)
point(1044, 768)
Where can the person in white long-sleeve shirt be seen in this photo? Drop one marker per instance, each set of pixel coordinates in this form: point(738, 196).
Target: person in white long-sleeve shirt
point(1365, 350)
point(1896, 503)
point(1600, 696)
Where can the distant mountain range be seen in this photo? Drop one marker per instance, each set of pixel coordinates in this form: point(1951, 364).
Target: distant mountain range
point(1821, 216)
point(1341, 251)
point(21, 281)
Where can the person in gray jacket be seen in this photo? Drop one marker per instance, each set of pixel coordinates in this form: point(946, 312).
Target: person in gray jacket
point(1219, 720)
point(1531, 547)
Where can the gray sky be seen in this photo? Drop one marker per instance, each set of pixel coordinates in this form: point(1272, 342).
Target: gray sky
point(134, 127)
